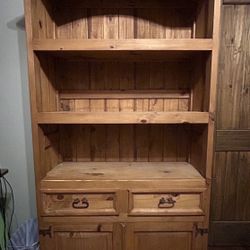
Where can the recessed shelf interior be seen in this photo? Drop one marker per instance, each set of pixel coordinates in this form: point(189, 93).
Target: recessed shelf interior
point(113, 83)
point(122, 19)
point(122, 143)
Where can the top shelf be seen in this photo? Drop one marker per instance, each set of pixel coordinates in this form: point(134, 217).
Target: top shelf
point(122, 45)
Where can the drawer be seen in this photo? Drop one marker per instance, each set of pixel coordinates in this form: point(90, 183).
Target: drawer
point(80, 204)
point(165, 204)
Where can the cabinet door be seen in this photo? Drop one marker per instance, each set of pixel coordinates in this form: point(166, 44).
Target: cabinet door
point(160, 236)
point(87, 237)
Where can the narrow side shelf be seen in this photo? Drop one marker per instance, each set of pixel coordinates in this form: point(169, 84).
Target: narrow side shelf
point(123, 45)
point(73, 176)
point(122, 117)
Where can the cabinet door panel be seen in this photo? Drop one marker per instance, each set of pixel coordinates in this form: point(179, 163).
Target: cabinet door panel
point(82, 240)
point(78, 237)
point(162, 241)
point(160, 236)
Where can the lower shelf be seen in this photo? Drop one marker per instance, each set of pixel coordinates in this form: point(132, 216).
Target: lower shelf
point(72, 176)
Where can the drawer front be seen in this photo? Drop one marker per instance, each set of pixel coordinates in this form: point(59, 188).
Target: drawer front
point(80, 204)
point(165, 204)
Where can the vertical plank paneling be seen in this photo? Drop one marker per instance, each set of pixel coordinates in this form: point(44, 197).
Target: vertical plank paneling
point(231, 179)
point(126, 23)
point(68, 28)
point(230, 201)
point(82, 142)
point(233, 99)
point(142, 81)
point(111, 83)
point(43, 25)
point(127, 145)
point(170, 143)
point(242, 197)
point(96, 24)
point(150, 23)
point(111, 27)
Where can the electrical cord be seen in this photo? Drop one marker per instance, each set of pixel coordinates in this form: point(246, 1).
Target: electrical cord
point(3, 206)
point(13, 206)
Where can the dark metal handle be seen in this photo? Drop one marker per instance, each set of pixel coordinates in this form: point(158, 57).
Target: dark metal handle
point(45, 232)
point(80, 204)
point(166, 202)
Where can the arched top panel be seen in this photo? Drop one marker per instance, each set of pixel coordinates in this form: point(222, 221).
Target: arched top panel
point(133, 19)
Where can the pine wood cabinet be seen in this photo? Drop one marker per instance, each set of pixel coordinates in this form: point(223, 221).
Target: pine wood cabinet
point(122, 101)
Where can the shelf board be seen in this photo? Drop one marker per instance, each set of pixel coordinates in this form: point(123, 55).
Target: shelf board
point(122, 117)
point(123, 45)
point(128, 4)
point(80, 175)
point(124, 94)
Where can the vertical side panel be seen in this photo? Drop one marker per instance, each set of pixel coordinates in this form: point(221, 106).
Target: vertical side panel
point(49, 92)
point(42, 23)
point(29, 9)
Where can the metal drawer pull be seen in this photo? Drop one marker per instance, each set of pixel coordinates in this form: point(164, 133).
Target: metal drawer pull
point(166, 202)
point(80, 204)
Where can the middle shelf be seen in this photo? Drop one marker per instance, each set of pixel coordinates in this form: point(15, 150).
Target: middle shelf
point(134, 45)
point(122, 117)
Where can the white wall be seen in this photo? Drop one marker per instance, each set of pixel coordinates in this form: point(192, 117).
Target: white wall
point(15, 128)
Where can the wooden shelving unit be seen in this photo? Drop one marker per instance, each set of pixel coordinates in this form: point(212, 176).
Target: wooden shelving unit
point(123, 101)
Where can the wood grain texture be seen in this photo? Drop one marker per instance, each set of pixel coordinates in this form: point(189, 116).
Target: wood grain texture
point(125, 143)
point(69, 176)
point(123, 45)
point(231, 169)
point(231, 179)
point(80, 204)
point(233, 140)
point(230, 2)
point(226, 233)
point(159, 236)
point(122, 117)
point(125, 4)
point(233, 95)
point(228, 248)
point(149, 204)
point(90, 236)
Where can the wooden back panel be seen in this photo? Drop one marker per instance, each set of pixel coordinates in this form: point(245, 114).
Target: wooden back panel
point(124, 143)
point(77, 85)
point(123, 86)
point(121, 20)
